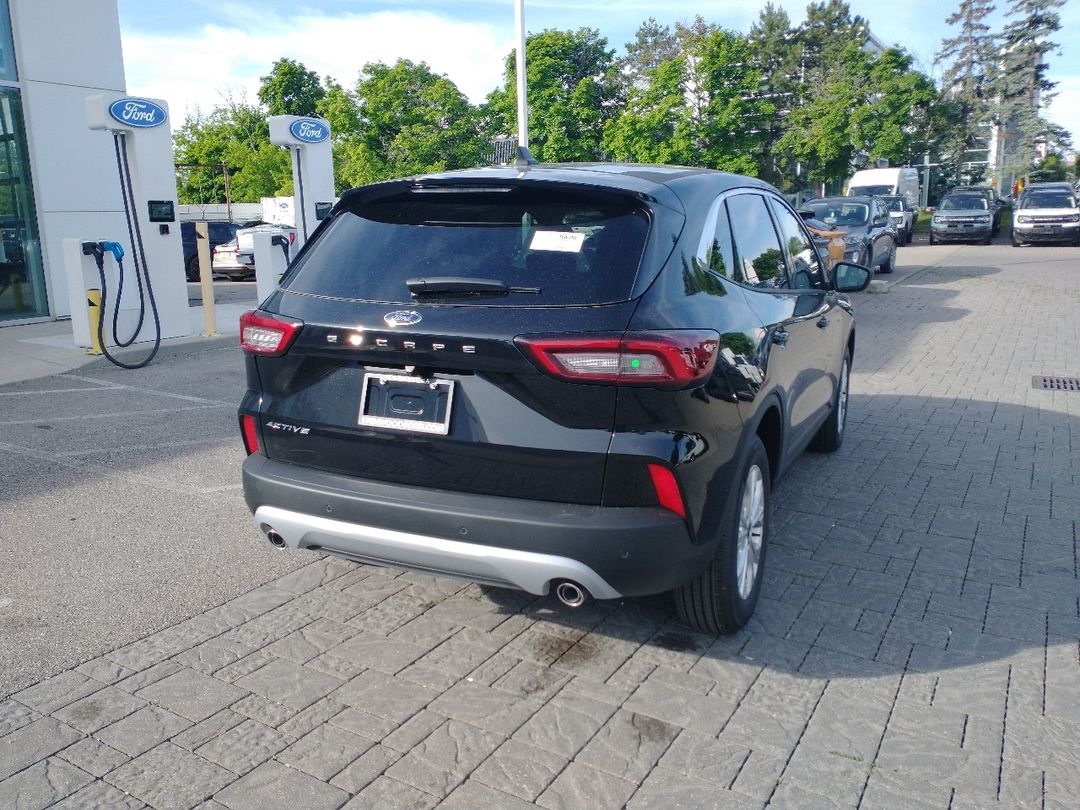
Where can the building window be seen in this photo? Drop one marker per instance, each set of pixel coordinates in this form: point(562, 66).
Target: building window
point(22, 275)
point(8, 72)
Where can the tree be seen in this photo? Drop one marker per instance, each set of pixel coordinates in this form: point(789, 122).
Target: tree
point(1023, 88)
point(571, 91)
point(969, 60)
point(410, 121)
point(653, 43)
point(290, 89)
point(775, 52)
point(700, 108)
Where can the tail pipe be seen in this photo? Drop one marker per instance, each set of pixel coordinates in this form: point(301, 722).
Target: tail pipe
point(276, 540)
point(571, 594)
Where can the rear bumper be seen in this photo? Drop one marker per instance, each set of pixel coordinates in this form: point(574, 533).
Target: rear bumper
point(508, 542)
point(1067, 233)
point(966, 235)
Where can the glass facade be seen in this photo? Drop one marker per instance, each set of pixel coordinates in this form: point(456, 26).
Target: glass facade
point(22, 274)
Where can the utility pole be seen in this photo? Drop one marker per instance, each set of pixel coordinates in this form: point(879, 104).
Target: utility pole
point(522, 99)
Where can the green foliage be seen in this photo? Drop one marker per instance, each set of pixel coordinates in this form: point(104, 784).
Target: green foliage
point(290, 89)
point(572, 93)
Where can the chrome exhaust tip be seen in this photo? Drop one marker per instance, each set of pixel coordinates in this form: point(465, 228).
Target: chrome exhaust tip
point(276, 540)
point(571, 594)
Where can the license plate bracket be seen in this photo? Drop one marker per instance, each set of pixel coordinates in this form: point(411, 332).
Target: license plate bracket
point(404, 403)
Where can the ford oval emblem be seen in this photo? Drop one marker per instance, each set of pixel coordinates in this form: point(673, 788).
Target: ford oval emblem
point(138, 112)
point(309, 130)
point(402, 317)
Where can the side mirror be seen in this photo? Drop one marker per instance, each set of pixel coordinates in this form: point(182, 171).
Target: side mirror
point(848, 277)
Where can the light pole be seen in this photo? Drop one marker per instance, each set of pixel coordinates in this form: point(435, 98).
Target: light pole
point(522, 100)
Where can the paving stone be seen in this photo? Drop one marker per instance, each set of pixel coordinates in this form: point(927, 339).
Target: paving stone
point(230, 673)
point(288, 683)
point(391, 794)
point(245, 746)
point(413, 730)
point(442, 761)
point(208, 729)
point(41, 785)
point(325, 751)
point(14, 715)
point(93, 756)
point(520, 769)
point(668, 790)
point(364, 770)
point(170, 778)
point(38, 740)
point(486, 708)
point(267, 712)
point(628, 745)
point(366, 725)
point(565, 724)
point(703, 757)
point(314, 575)
point(99, 796)
point(312, 717)
point(191, 694)
point(376, 651)
point(273, 786)
point(142, 730)
point(392, 698)
point(104, 671)
point(213, 655)
point(472, 794)
point(681, 708)
point(302, 645)
point(582, 786)
point(140, 680)
point(56, 692)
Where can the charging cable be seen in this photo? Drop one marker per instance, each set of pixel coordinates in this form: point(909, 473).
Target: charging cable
point(282, 242)
point(98, 251)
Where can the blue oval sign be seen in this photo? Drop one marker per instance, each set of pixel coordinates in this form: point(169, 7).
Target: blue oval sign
point(309, 130)
point(137, 112)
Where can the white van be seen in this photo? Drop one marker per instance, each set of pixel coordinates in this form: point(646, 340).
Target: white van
point(899, 181)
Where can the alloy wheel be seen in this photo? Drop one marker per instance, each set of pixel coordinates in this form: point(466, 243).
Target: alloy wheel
point(751, 531)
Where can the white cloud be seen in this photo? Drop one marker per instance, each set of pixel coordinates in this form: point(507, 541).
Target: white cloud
point(200, 70)
point(1064, 108)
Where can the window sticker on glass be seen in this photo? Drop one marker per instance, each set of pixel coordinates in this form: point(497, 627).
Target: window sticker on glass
point(560, 241)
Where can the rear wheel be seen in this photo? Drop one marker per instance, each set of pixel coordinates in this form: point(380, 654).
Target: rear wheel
point(722, 598)
point(831, 434)
point(933, 241)
point(191, 269)
point(988, 240)
point(1016, 242)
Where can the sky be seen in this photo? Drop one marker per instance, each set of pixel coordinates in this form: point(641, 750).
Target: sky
point(195, 54)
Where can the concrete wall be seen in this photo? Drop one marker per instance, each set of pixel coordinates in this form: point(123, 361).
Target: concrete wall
point(66, 50)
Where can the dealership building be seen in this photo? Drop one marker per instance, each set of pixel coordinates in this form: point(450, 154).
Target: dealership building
point(58, 179)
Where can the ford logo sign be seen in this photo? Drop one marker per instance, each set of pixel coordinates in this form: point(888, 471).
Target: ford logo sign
point(309, 130)
point(137, 112)
point(402, 317)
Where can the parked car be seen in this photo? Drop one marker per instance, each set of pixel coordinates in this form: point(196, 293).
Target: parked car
point(236, 259)
point(962, 218)
point(219, 232)
point(578, 379)
point(870, 236)
point(1047, 215)
point(903, 216)
point(900, 181)
point(994, 204)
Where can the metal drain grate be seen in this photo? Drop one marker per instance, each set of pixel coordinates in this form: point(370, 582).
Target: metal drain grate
point(1056, 383)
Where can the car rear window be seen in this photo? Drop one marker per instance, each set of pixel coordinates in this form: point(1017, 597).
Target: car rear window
point(839, 213)
point(563, 247)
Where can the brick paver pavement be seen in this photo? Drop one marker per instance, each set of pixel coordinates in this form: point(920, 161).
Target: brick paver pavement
point(916, 644)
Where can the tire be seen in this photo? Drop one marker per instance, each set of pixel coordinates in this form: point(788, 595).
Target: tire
point(721, 599)
point(831, 434)
point(987, 240)
point(191, 269)
point(1015, 242)
point(933, 241)
point(890, 262)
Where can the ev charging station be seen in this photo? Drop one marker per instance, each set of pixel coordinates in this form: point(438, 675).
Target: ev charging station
point(143, 292)
point(308, 142)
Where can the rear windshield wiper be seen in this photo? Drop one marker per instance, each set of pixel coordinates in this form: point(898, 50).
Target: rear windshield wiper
point(456, 285)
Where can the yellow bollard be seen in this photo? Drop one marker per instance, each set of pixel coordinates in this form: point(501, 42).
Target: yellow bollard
point(93, 309)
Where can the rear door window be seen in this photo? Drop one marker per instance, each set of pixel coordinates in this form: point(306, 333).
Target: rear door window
point(559, 247)
point(805, 264)
point(759, 257)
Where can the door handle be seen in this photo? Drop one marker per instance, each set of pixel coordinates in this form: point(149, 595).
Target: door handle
point(822, 322)
point(780, 337)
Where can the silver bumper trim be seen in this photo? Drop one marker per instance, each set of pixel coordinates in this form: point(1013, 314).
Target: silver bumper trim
point(529, 571)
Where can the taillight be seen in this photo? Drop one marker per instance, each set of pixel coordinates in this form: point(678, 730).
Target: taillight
point(250, 433)
point(265, 334)
point(671, 359)
point(667, 489)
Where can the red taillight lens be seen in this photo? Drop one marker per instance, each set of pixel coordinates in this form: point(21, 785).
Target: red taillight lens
point(250, 433)
point(265, 334)
point(672, 359)
point(667, 489)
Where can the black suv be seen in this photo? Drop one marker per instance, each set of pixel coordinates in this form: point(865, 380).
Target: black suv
point(582, 379)
point(870, 238)
point(218, 231)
